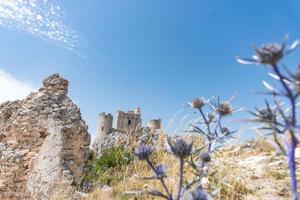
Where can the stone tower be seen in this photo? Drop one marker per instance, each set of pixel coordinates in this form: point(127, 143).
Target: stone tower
point(104, 126)
point(128, 120)
point(154, 124)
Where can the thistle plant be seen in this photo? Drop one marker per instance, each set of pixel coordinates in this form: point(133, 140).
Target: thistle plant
point(181, 149)
point(210, 125)
point(281, 118)
point(214, 132)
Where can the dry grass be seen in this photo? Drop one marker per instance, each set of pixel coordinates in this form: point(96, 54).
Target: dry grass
point(277, 174)
point(132, 181)
point(100, 195)
point(262, 146)
point(239, 172)
point(230, 183)
point(227, 179)
point(250, 148)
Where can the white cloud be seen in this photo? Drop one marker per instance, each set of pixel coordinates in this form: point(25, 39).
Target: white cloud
point(11, 88)
point(41, 18)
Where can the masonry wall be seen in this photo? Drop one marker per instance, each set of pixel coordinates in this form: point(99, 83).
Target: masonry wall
point(127, 121)
point(104, 126)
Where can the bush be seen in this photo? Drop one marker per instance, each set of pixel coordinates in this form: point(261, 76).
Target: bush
point(103, 170)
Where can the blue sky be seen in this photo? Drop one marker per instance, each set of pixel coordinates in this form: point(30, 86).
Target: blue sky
point(154, 54)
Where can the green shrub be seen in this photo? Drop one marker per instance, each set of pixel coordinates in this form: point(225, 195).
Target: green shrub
point(104, 170)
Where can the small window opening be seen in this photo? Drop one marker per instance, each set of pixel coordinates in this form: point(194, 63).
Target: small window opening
point(102, 128)
point(129, 122)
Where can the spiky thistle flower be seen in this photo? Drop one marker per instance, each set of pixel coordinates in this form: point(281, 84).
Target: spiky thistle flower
point(160, 171)
point(181, 148)
point(197, 103)
point(224, 108)
point(225, 130)
point(211, 117)
point(205, 157)
point(199, 194)
point(270, 54)
point(143, 152)
point(264, 115)
point(286, 119)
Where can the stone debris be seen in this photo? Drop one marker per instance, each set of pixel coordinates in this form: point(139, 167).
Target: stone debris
point(44, 144)
point(128, 139)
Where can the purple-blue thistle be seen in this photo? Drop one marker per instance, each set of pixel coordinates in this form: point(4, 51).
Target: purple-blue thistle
point(199, 194)
point(271, 54)
point(160, 170)
point(205, 157)
point(143, 152)
point(181, 148)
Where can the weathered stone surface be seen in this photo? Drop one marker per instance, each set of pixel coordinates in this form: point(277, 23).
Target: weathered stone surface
point(43, 144)
point(127, 139)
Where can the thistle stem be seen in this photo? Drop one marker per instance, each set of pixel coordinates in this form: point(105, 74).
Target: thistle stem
point(180, 178)
point(289, 93)
point(292, 144)
point(205, 120)
point(161, 180)
point(292, 167)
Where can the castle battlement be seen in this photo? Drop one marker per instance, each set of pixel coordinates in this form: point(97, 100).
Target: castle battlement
point(124, 121)
point(128, 120)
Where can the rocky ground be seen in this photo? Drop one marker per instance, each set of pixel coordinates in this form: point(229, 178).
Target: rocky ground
point(254, 171)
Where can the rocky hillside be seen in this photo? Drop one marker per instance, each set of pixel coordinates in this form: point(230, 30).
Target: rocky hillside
point(43, 144)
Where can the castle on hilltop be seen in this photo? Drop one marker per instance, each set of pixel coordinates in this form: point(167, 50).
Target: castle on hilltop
point(124, 121)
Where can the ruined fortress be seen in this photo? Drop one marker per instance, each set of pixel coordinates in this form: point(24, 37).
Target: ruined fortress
point(123, 122)
point(45, 144)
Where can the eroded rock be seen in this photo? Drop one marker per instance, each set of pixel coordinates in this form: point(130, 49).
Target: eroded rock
point(43, 144)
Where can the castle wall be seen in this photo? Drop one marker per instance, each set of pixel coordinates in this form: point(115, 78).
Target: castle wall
point(127, 121)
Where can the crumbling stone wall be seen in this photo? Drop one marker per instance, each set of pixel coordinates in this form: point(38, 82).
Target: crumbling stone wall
point(44, 144)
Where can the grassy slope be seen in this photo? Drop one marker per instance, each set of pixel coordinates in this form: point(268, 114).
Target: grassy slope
point(248, 171)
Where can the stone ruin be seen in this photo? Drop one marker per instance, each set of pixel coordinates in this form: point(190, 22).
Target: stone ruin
point(44, 145)
point(126, 126)
point(44, 142)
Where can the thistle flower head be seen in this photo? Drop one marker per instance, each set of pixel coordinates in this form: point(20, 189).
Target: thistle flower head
point(181, 148)
point(211, 116)
point(224, 108)
point(270, 54)
point(143, 152)
point(225, 130)
point(205, 157)
point(197, 103)
point(199, 194)
point(160, 171)
point(265, 115)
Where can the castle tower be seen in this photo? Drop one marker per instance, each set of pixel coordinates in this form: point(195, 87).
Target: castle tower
point(104, 126)
point(137, 111)
point(128, 121)
point(154, 124)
